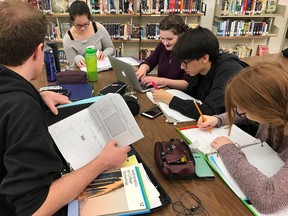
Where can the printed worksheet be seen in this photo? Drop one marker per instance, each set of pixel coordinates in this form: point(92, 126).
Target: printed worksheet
point(82, 136)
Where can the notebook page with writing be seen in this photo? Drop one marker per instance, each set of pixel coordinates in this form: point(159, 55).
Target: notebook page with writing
point(201, 139)
point(263, 157)
point(173, 115)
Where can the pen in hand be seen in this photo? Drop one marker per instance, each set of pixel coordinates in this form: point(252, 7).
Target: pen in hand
point(202, 116)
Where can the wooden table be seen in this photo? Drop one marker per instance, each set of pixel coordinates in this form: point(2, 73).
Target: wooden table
point(215, 196)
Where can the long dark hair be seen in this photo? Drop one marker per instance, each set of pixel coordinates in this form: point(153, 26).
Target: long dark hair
point(79, 8)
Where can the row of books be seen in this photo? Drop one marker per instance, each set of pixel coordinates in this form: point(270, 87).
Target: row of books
point(242, 27)
point(111, 6)
point(170, 6)
point(239, 50)
point(242, 7)
point(55, 6)
point(118, 30)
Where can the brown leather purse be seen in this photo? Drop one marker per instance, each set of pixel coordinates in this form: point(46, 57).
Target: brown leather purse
point(174, 159)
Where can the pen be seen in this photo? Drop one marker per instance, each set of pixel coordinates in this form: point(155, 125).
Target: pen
point(155, 85)
point(202, 116)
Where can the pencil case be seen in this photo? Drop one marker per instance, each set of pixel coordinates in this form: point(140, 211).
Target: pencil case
point(174, 159)
point(71, 77)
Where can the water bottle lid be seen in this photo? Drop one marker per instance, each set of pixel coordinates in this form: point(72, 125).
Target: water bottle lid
point(90, 50)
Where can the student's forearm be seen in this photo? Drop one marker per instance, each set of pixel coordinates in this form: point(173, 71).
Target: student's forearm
point(175, 84)
point(67, 188)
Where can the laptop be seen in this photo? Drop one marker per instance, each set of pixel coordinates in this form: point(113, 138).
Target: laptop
point(125, 73)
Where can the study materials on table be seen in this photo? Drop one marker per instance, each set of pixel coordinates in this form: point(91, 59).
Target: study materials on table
point(79, 91)
point(116, 192)
point(258, 153)
point(104, 64)
point(201, 139)
point(111, 194)
point(82, 136)
point(171, 115)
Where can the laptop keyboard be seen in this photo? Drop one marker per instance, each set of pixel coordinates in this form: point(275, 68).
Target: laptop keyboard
point(146, 87)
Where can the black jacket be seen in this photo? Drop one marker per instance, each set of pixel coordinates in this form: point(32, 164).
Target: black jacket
point(208, 88)
point(28, 160)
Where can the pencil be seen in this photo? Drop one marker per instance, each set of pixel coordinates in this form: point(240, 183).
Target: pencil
point(202, 116)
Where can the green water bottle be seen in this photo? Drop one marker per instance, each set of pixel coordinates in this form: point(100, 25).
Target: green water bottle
point(91, 64)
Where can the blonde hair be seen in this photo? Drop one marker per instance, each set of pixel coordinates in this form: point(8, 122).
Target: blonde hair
point(260, 90)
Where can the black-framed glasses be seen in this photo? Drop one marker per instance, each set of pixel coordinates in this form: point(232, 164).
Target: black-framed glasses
point(239, 113)
point(85, 25)
point(186, 62)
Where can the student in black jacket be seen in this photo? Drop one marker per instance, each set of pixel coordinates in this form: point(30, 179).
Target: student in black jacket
point(30, 167)
point(198, 51)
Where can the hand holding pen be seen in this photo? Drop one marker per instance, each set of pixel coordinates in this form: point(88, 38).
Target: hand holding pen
point(202, 118)
point(209, 123)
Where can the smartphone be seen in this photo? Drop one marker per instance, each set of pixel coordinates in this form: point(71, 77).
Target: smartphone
point(152, 113)
point(202, 169)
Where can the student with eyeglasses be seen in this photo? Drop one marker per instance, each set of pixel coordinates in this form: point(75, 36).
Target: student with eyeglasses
point(257, 93)
point(198, 52)
point(169, 70)
point(85, 32)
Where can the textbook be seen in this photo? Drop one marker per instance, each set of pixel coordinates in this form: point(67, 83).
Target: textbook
point(115, 192)
point(258, 153)
point(171, 115)
point(83, 135)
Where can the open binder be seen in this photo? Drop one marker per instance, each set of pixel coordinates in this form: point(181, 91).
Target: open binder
point(258, 153)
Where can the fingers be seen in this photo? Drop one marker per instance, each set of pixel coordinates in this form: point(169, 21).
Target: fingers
point(101, 56)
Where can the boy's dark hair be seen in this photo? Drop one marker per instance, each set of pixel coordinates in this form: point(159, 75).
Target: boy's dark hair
point(79, 8)
point(22, 29)
point(195, 43)
point(173, 23)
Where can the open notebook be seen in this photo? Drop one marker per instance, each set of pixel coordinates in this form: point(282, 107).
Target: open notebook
point(171, 115)
point(258, 153)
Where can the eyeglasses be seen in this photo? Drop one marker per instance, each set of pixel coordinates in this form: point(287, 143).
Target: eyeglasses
point(186, 62)
point(85, 25)
point(239, 113)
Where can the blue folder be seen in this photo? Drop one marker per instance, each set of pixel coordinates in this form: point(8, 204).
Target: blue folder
point(79, 91)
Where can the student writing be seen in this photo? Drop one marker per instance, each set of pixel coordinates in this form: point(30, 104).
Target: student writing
point(258, 93)
point(198, 51)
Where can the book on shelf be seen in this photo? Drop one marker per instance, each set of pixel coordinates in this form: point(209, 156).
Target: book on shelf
point(128, 189)
point(172, 115)
point(60, 6)
point(83, 135)
point(258, 153)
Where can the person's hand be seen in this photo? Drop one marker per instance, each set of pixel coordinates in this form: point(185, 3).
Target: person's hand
point(147, 80)
point(220, 141)
point(210, 122)
point(81, 63)
point(100, 55)
point(162, 96)
point(141, 73)
point(51, 99)
point(113, 156)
